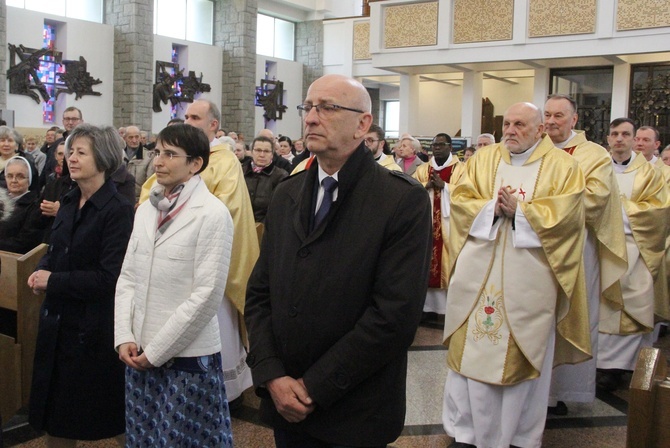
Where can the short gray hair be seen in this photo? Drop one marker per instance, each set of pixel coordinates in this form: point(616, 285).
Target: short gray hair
point(228, 141)
point(106, 143)
point(6, 131)
point(416, 144)
point(487, 135)
point(213, 113)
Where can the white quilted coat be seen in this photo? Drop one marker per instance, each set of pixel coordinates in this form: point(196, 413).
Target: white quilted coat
point(168, 292)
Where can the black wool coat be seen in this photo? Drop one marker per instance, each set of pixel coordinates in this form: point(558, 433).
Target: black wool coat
point(339, 306)
point(78, 380)
point(261, 186)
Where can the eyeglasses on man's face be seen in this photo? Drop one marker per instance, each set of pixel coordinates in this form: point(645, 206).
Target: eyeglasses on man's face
point(323, 110)
point(262, 151)
point(71, 119)
point(167, 154)
point(371, 141)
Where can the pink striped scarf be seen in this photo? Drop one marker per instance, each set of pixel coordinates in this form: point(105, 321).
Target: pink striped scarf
point(169, 206)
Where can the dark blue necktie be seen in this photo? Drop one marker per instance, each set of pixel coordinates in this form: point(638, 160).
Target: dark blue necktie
point(329, 185)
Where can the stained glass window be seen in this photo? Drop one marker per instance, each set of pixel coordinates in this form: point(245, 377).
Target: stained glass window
point(49, 72)
point(174, 108)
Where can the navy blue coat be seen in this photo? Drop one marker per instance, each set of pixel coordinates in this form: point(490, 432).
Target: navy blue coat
point(78, 380)
point(339, 306)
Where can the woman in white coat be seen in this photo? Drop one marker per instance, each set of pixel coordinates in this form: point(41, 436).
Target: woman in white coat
point(171, 284)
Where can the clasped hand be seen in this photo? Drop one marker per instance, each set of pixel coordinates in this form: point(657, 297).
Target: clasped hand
point(128, 354)
point(506, 203)
point(435, 182)
point(291, 398)
point(38, 281)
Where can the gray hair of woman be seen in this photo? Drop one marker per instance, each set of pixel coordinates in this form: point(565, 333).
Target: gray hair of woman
point(6, 131)
point(416, 144)
point(106, 143)
point(228, 141)
point(18, 160)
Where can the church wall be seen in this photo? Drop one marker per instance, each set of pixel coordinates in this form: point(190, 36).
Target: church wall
point(439, 109)
point(75, 38)
point(338, 48)
point(503, 95)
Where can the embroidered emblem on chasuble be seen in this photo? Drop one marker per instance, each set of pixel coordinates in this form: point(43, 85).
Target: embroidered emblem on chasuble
point(511, 298)
point(435, 278)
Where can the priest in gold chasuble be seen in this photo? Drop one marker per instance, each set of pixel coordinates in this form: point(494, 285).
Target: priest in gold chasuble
point(644, 196)
point(605, 259)
point(439, 176)
point(516, 304)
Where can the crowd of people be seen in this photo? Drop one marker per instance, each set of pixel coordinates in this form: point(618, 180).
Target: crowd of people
point(542, 251)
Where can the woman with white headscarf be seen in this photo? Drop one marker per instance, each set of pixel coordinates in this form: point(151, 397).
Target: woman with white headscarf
point(21, 231)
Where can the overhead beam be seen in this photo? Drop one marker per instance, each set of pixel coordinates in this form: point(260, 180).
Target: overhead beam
point(497, 78)
point(532, 64)
point(616, 60)
point(443, 81)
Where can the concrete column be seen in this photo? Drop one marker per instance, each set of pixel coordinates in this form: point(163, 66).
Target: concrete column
point(376, 106)
point(471, 107)
point(3, 54)
point(235, 33)
point(133, 22)
point(621, 85)
point(541, 87)
point(309, 51)
point(409, 103)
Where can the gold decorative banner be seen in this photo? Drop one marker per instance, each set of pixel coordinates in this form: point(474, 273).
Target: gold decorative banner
point(361, 41)
point(410, 25)
point(640, 14)
point(483, 20)
point(552, 18)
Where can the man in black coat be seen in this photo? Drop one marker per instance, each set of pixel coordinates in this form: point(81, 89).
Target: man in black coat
point(336, 296)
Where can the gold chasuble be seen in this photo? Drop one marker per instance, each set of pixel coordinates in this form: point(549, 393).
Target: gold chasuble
point(504, 301)
point(224, 179)
point(645, 201)
point(603, 213)
point(440, 223)
point(388, 162)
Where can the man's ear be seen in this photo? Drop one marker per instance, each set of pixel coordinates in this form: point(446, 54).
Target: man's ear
point(363, 125)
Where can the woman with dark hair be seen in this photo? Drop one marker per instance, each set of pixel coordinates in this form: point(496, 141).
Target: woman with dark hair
point(285, 149)
point(78, 388)
point(170, 288)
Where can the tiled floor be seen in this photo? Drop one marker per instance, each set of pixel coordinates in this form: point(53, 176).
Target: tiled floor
point(595, 425)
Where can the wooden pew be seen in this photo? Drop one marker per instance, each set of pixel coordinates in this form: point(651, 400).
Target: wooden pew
point(17, 351)
point(649, 404)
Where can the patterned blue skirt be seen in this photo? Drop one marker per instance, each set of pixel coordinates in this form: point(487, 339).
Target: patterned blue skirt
point(180, 404)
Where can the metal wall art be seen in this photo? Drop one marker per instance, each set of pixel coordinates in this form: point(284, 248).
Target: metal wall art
point(270, 95)
point(171, 85)
point(24, 78)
